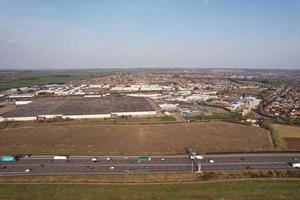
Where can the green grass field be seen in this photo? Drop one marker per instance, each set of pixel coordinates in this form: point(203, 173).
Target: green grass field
point(14, 79)
point(227, 190)
point(261, 83)
point(221, 116)
point(166, 119)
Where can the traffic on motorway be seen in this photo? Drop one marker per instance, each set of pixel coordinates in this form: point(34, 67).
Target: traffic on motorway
point(62, 164)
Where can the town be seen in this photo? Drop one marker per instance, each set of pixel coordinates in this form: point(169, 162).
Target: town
point(186, 95)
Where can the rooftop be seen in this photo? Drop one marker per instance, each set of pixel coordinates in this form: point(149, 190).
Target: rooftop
point(81, 106)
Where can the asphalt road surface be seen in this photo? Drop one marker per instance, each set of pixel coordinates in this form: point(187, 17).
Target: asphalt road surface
point(120, 164)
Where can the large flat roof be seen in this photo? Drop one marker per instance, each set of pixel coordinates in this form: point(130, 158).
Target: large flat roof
point(80, 106)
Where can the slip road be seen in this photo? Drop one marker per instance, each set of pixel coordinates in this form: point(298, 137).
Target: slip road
point(121, 164)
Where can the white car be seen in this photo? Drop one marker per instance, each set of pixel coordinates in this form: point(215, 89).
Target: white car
point(95, 159)
point(108, 158)
point(162, 159)
point(112, 168)
point(211, 161)
point(27, 170)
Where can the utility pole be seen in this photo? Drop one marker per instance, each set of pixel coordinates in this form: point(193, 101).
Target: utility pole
point(192, 166)
point(199, 165)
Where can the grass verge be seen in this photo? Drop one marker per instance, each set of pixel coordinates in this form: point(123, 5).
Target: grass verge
point(229, 190)
point(277, 140)
point(228, 116)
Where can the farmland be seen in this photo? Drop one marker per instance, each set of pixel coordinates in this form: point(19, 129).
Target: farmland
point(247, 189)
point(13, 79)
point(152, 139)
point(290, 135)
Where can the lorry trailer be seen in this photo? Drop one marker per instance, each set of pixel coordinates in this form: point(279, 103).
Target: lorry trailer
point(60, 158)
point(8, 159)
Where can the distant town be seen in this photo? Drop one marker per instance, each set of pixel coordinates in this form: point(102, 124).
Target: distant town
point(251, 96)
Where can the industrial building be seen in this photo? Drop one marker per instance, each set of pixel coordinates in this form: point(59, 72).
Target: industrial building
point(80, 108)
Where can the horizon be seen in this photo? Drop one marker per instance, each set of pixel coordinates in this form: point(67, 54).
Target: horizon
point(150, 34)
point(147, 68)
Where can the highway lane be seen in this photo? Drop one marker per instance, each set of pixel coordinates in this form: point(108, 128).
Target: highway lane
point(121, 164)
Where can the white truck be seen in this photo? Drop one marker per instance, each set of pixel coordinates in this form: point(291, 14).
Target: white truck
point(197, 157)
point(296, 165)
point(60, 158)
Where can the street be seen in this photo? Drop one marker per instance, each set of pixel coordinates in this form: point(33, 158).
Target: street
point(131, 164)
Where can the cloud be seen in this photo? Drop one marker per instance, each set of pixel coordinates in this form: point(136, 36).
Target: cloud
point(11, 41)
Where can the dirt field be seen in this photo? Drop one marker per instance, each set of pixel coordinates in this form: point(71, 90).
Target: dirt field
point(290, 136)
point(155, 139)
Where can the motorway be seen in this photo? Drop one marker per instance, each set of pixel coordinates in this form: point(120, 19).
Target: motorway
point(121, 164)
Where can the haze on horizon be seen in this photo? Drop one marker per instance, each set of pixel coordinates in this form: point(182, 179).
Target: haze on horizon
point(52, 34)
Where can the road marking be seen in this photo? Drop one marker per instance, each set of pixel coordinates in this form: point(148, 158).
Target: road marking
point(97, 165)
point(244, 163)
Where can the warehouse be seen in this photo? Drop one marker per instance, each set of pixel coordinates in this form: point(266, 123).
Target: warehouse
point(81, 108)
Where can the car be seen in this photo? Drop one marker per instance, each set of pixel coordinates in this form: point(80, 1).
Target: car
point(108, 158)
point(211, 161)
point(19, 156)
point(162, 159)
point(112, 168)
point(129, 171)
point(27, 170)
point(95, 159)
point(191, 120)
point(126, 157)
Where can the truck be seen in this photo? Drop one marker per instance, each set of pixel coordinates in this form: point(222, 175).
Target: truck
point(60, 158)
point(8, 159)
point(295, 165)
point(144, 158)
point(196, 157)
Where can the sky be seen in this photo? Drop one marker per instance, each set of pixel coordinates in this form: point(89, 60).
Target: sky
point(63, 34)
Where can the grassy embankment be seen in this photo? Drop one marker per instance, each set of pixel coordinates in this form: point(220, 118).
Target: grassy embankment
point(285, 137)
point(277, 139)
point(229, 190)
point(59, 121)
point(228, 116)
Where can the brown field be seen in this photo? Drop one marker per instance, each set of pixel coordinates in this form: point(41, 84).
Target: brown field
point(292, 144)
point(154, 139)
point(290, 136)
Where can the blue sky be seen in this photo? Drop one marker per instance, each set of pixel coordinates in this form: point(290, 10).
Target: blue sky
point(52, 34)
